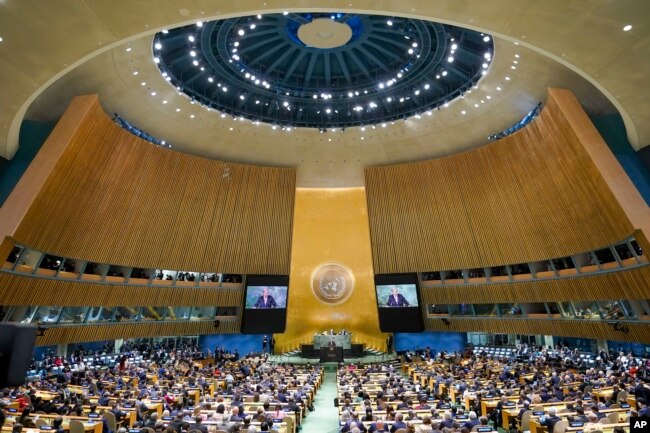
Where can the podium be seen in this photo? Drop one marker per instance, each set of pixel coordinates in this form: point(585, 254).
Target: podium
point(331, 354)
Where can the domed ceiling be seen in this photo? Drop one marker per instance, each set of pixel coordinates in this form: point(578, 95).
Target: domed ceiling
point(322, 70)
point(585, 49)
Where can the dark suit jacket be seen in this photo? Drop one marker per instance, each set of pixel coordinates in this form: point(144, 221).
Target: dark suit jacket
point(550, 422)
point(270, 302)
point(202, 427)
point(400, 302)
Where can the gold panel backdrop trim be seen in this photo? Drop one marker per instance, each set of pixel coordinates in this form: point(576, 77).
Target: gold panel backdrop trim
point(331, 225)
point(115, 198)
point(533, 195)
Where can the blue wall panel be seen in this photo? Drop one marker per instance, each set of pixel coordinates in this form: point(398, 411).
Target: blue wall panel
point(245, 344)
point(448, 341)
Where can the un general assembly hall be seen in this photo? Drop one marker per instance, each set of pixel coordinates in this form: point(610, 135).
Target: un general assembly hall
point(347, 216)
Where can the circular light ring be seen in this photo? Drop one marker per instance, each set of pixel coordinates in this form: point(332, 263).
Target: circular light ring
point(380, 65)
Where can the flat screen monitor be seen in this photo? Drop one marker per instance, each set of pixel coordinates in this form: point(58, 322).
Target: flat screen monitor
point(398, 302)
point(265, 304)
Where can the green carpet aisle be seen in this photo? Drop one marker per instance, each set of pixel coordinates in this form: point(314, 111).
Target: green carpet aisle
point(324, 419)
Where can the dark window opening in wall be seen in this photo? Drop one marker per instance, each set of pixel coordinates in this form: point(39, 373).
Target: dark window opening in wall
point(50, 262)
point(485, 309)
point(605, 256)
point(519, 269)
point(437, 310)
point(635, 246)
point(92, 268)
point(510, 310)
point(226, 311)
point(623, 251)
point(431, 276)
point(14, 254)
point(535, 309)
point(498, 271)
point(69, 266)
point(460, 310)
point(563, 263)
point(140, 273)
point(476, 273)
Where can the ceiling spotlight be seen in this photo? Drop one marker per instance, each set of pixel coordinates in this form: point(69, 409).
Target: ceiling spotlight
point(454, 46)
point(410, 51)
point(416, 93)
point(486, 39)
point(485, 65)
point(191, 116)
point(328, 110)
point(414, 44)
point(463, 112)
point(513, 67)
point(210, 79)
point(128, 49)
point(487, 55)
point(507, 78)
point(178, 110)
point(195, 63)
point(156, 60)
point(450, 59)
point(241, 32)
point(158, 46)
point(517, 56)
point(315, 96)
point(350, 94)
point(144, 83)
point(389, 99)
point(252, 26)
point(193, 53)
point(199, 24)
point(475, 105)
point(499, 88)
point(223, 115)
point(389, 22)
point(165, 31)
point(426, 86)
point(242, 97)
point(191, 38)
point(285, 13)
point(259, 17)
point(285, 103)
point(444, 73)
point(153, 93)
point(165, 101)
point(488, 97)
point(135, 72)
point(383, 125)
point(627, 27)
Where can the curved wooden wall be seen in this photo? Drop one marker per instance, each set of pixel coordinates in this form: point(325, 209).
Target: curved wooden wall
point(530, 196)
point(79, 334)
point(637, 332)
point(32, 290)
point(621, 284)
point(115, 198)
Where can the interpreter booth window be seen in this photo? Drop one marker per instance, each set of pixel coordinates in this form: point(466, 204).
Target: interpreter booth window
point(535, 309)
point(22, 314)
point(485, 309)
point(613, 310)
point(47, 314)
point(126, 314)
point(437, 310)
point(100, 314)
point(202, 313)
point(567, 310)
point(605, 256)
point(14, 254)
point(226, 311)
point(180, 313)
point(73, 314)
point(509, 309)
point(460, 310)
point(586, 310)
point(623, 251)
point(431, 276)
point(149, 314)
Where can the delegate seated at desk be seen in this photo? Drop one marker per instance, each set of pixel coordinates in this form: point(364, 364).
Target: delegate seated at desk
point(265, 300)
point(396, 299)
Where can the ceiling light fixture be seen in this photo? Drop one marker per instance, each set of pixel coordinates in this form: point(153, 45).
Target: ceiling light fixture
point(627, 27)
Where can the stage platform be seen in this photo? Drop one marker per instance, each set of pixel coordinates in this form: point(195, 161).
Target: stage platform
point(295, 358)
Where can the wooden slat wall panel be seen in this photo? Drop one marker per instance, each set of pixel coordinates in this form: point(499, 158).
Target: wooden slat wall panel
point(531, 196)
point(114, 198)
point(28, 290)
point(625, 284)
point(6, 246)
point(637, 332)
point(79, 334)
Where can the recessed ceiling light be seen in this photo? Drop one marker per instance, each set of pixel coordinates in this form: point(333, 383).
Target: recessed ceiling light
point(627, 27)
point(259, 17)
point(486, 39)
point(463, 112)
point(499, 88)
point(285, 13)
point(178, 110)
point(199, 23)
point(144, 83)
point(488, 97)
point(128, 49)
point(165, 31)
point(191, 38)
point(135, 72)
point(252, 26)
point(513, 67)
point(231, 128)
point(153, 93)
point(507, 78)
point(158, 45)
point(165, 101)
point(241, 32)
point(517, 55)
point(389, 22)
point(454, 46)
point(156, 60)
point(475, 105)
point(450, 59)
point(191, 116)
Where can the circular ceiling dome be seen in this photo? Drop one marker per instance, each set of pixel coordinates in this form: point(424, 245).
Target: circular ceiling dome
point(322, 70)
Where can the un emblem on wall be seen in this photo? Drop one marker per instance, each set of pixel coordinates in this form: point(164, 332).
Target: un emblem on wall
point(332, 283)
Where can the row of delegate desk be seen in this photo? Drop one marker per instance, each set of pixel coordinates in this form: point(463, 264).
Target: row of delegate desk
point(208, 393)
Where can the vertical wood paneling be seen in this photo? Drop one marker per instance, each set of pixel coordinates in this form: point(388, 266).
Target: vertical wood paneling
point(531, 196)
point(114, 198)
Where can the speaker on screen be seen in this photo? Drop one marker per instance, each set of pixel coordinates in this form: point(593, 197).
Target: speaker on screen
point(265, 304)
point(398, 303)
point(16, 347)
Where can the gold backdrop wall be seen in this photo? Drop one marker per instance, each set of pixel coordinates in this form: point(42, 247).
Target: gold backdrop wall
point(331, 225)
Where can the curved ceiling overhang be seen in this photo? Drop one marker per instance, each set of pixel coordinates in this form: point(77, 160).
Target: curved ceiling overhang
point(587, 40)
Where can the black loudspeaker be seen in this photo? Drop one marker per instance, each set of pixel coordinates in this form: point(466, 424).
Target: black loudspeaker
point(336, 402)
point(16, 347)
